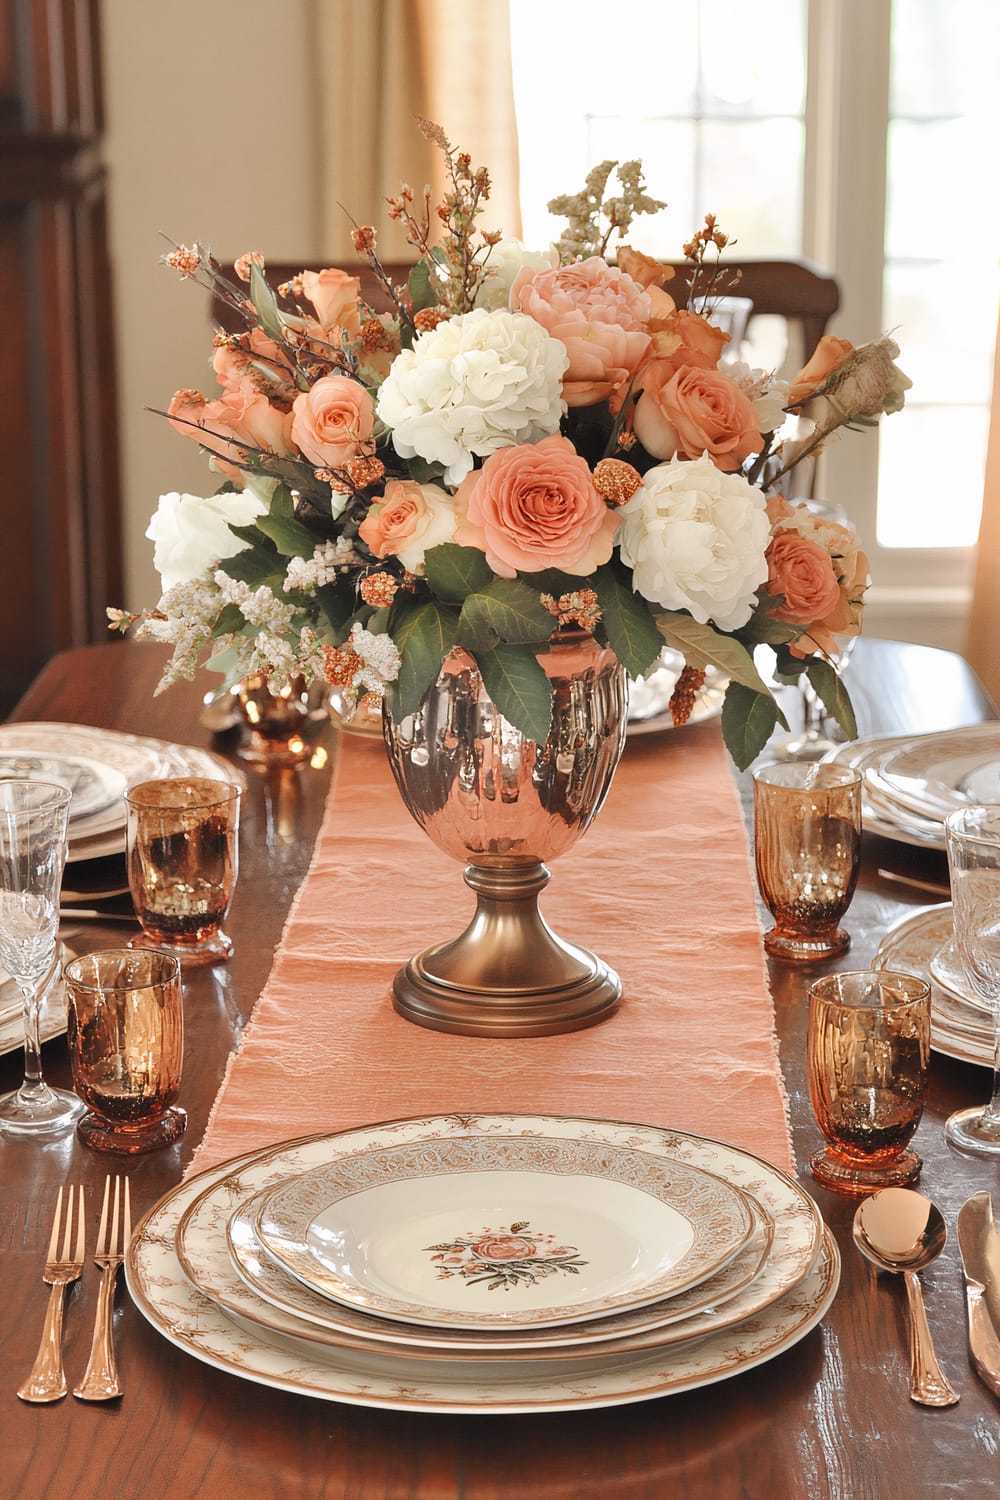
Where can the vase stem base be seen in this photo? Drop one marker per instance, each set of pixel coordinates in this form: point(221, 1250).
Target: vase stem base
point(418, 998)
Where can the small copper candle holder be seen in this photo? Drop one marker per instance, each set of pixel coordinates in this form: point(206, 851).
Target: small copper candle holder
point(183, 852)
point(868, 1052)
point(126, 1043)
point(277, 719)
point(807, 844)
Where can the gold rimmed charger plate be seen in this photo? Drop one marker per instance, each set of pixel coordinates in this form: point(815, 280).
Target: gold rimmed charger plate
point(192, 1322)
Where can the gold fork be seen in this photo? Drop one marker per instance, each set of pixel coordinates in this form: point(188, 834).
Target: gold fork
point(47, 1381)
point(100, 1381)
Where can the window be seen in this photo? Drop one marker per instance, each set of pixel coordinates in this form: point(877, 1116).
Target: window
point(774, 118)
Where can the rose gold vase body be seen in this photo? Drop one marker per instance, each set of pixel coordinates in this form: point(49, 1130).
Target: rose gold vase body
point(504, 805)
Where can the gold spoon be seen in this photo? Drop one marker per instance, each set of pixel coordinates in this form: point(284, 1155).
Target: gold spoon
point(901, 1231)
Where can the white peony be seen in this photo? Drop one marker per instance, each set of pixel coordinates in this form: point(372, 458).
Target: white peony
point(695, 539)
point(475, 383)
point(506, 259)
point(191, 533)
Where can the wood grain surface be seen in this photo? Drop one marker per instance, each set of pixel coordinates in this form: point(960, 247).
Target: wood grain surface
point(828, 1420)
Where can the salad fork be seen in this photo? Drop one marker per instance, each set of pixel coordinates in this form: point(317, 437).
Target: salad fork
point(100, 1381)
point(47, 1381)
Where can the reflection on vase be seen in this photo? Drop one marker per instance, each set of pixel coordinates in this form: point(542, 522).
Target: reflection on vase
point(503, 804)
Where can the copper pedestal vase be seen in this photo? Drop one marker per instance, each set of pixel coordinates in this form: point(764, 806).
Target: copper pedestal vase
point(505, 805)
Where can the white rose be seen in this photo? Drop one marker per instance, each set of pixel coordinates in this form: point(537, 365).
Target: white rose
point(191, 533)
point(506, 259)
point(695, 539)
point(766, 395)
point(477, 382)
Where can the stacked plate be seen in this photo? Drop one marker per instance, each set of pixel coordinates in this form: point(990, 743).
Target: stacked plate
point(962, 1024)
point(98, 765)
point(912, 782)
point(501, 1263)
point(649, 696)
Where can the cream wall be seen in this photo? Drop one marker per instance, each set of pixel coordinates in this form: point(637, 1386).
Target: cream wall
point(207, 106)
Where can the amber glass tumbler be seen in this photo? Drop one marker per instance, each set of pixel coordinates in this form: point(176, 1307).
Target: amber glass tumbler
point(807, 844)
point(126, 1042)
point(183, 856)
point(869, 1047)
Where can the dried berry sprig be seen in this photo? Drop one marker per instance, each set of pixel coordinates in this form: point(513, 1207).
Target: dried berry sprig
point(711, 278)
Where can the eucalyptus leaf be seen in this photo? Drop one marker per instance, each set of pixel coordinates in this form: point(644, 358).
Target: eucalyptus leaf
point(519, 689)
point(828, 685)
point(704, 646)
point(631, 630)
point(282, 502)
point(748, 720)
point(453, 572)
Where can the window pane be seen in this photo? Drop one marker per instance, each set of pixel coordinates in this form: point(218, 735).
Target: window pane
point(944, 320)
point(940, 199)
point(752, 181)
point(931, 462)
point(944, 58)
point(750, 69)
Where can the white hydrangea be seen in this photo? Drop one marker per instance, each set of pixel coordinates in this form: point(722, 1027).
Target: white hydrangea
point(766, 395)
point(475, 383)
point(506, 259)
point(695, 539)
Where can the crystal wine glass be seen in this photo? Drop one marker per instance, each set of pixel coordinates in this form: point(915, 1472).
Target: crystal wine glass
point(34, 817)
point(973, 836)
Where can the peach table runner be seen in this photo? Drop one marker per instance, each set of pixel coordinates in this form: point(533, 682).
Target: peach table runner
point(661, 887)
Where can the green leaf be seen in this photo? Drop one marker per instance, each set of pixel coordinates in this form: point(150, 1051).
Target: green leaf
point(764, 629)
point(553, 581)
point(255, 567)
point(267, 308)
point(337, 606)
point(519, 689)
point(453, 572)
point(282, 503)
point(506, 610)
point(230, 621)
point(748, 720)
point(631, 629)
point(424, 472)
point(254, 536)
point(704, 646)
point(423, 637)
point(291, 538)
point(422, 290)
point(827, 683)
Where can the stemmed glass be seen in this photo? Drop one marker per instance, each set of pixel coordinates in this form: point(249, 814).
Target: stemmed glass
point(34, 817)
point(973, 837)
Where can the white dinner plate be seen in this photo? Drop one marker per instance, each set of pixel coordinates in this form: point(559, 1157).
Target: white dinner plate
point(937, 773)
point(649, 697)
point(95, 787)
point(880, 813)
point(563, 1230)
point(191, 1321)
point(949, 971)
point(910, 946)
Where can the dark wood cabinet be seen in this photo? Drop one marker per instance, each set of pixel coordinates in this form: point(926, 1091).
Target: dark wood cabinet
point(60, 545)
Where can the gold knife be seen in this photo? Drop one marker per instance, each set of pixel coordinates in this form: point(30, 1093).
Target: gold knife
point(979, 1242)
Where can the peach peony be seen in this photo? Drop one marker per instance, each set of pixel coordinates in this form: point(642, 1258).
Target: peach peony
point(240, 422)
point(599, 314)
point(686, 338)
point(409, 520)
point(829, 354)
point(335, 297)
point(690, 411)
point(534, 506)
point(332, 422)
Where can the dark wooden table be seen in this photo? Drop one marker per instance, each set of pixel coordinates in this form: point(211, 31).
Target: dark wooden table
point(830, 1418)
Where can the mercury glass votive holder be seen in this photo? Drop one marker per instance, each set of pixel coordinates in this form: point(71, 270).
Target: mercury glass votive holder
point(183, 856)
point(807, 846)
point(126, 1043)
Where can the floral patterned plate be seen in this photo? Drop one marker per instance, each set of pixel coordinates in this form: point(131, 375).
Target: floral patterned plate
point(191, 1321)
point(499, 1232)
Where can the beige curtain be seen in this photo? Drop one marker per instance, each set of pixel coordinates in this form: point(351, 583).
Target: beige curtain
point(379, 63)
point(984, 634)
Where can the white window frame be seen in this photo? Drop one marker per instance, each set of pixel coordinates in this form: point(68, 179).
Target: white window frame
point(921, 593)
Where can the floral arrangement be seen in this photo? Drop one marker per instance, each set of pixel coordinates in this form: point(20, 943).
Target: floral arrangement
point(525, 442)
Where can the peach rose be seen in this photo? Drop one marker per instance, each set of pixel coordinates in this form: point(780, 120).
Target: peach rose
point(335, 297)
point(643, 269)
point(686, 338)
point(829, 354)
point(599, 314)
point(803, 573)
point(410, 520)
point(690, 411)
point(534, 506)
point(835, 615)
point(240, 422)
point(332, 422)
point(234, 359)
